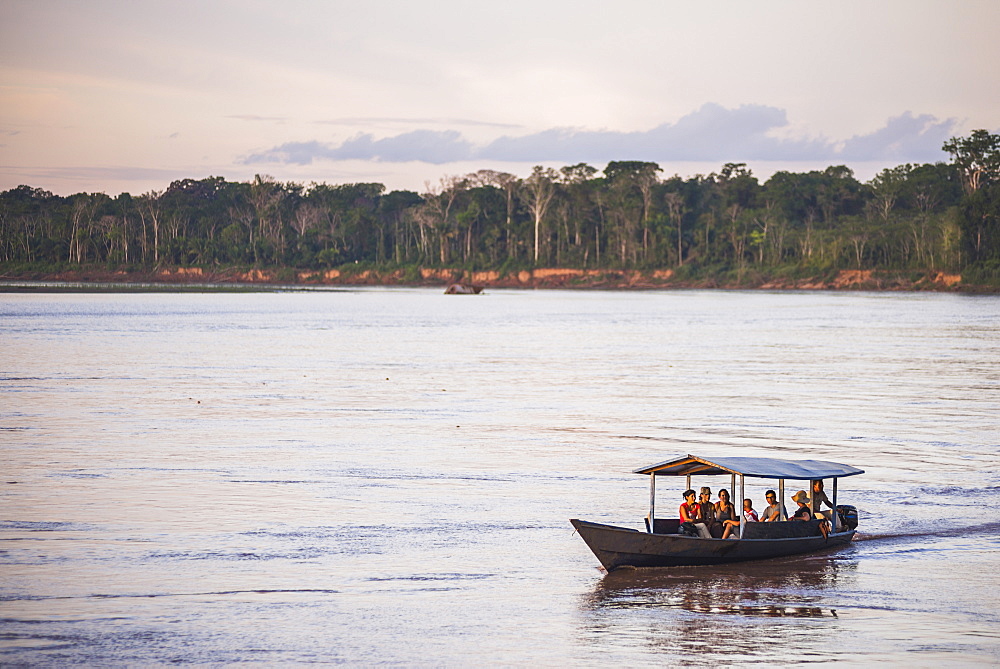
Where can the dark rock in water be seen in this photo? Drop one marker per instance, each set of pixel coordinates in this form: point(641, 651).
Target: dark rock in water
point(463, 289)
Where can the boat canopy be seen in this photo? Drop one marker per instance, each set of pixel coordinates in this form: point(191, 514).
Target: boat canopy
point(763, 468)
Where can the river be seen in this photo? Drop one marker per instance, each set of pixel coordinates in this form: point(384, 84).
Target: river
point(385, 476)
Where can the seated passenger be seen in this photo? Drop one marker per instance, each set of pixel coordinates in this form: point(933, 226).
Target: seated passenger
point(690, 513)
point(724, 510)
point(706, 510)
point(774, 511)
point(805, 513)
point(748, 514)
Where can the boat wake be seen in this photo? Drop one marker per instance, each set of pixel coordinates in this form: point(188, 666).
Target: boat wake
point(981, 529)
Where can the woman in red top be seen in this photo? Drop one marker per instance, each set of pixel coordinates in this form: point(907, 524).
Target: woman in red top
point(690, 512)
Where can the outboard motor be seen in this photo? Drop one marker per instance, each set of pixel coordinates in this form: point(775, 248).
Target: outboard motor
point(848, 516)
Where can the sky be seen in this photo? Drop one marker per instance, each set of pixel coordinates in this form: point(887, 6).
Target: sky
point(128, 96)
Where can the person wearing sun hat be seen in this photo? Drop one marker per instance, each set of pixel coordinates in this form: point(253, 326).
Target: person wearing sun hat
point(805, 513)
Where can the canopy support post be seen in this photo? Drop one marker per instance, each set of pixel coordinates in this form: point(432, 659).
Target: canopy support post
point(652, 502)
point(834, 516)
point(743, 520)
point(781, 500)
point(732, 493)
point(688, 482)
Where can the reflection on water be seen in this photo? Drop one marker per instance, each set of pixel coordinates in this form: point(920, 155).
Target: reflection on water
point(766, 587)
point(727, 609)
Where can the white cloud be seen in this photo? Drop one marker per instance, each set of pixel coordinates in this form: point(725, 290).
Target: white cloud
point(905, 138)
point(429, 146)
point(712, 133)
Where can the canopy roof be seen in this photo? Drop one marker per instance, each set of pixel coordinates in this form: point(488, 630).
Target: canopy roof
point(763, 468)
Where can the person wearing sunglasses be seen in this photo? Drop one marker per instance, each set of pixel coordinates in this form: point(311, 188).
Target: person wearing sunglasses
point(773, 511)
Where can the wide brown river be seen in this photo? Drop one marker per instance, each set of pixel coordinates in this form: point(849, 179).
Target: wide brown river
point(385, 477)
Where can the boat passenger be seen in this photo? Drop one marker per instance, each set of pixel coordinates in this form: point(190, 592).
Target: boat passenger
point(706, 510)
point(773, 511)
point(748, 513)
point(818, 499)
point(724, 510)
point(690, 513)
point(805, 513)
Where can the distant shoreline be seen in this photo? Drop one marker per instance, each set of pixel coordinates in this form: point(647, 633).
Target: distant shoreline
point(183, 279)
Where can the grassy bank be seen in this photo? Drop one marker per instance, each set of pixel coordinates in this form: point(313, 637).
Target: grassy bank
point(242, 278)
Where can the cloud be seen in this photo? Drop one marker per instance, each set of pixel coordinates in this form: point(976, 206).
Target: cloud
point(711, 133)
point(294, 153)
point(905, 138)
point(254, 117)
point(429, 146)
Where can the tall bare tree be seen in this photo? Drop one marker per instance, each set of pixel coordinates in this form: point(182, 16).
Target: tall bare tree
point(539, 189)
point(82, 219)
point(151, 210)
point(675, 205)
point(438, 202)
point(266, 196)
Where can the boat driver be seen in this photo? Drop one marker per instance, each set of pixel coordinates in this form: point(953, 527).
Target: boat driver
point(818, 499)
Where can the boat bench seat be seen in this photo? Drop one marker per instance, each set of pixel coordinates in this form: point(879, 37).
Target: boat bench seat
point(782, 530)
point(665, 525)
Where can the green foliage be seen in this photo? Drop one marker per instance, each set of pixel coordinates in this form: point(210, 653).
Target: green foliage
point(328, 258)
point(980, 223)
point(977, 157)
point(985, 273)
point(411, 273)
point(286, 275)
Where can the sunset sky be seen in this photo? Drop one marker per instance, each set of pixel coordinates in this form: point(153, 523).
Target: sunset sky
point(128, 96)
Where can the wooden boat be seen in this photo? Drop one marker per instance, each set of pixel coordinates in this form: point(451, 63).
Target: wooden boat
point(661, 545)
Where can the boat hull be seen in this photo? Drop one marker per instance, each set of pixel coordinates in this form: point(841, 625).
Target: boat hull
point(623, 547)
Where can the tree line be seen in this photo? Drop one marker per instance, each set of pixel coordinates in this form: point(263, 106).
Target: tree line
point(943, 216)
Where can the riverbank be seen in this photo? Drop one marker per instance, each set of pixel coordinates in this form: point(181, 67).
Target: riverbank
point(178, 277)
